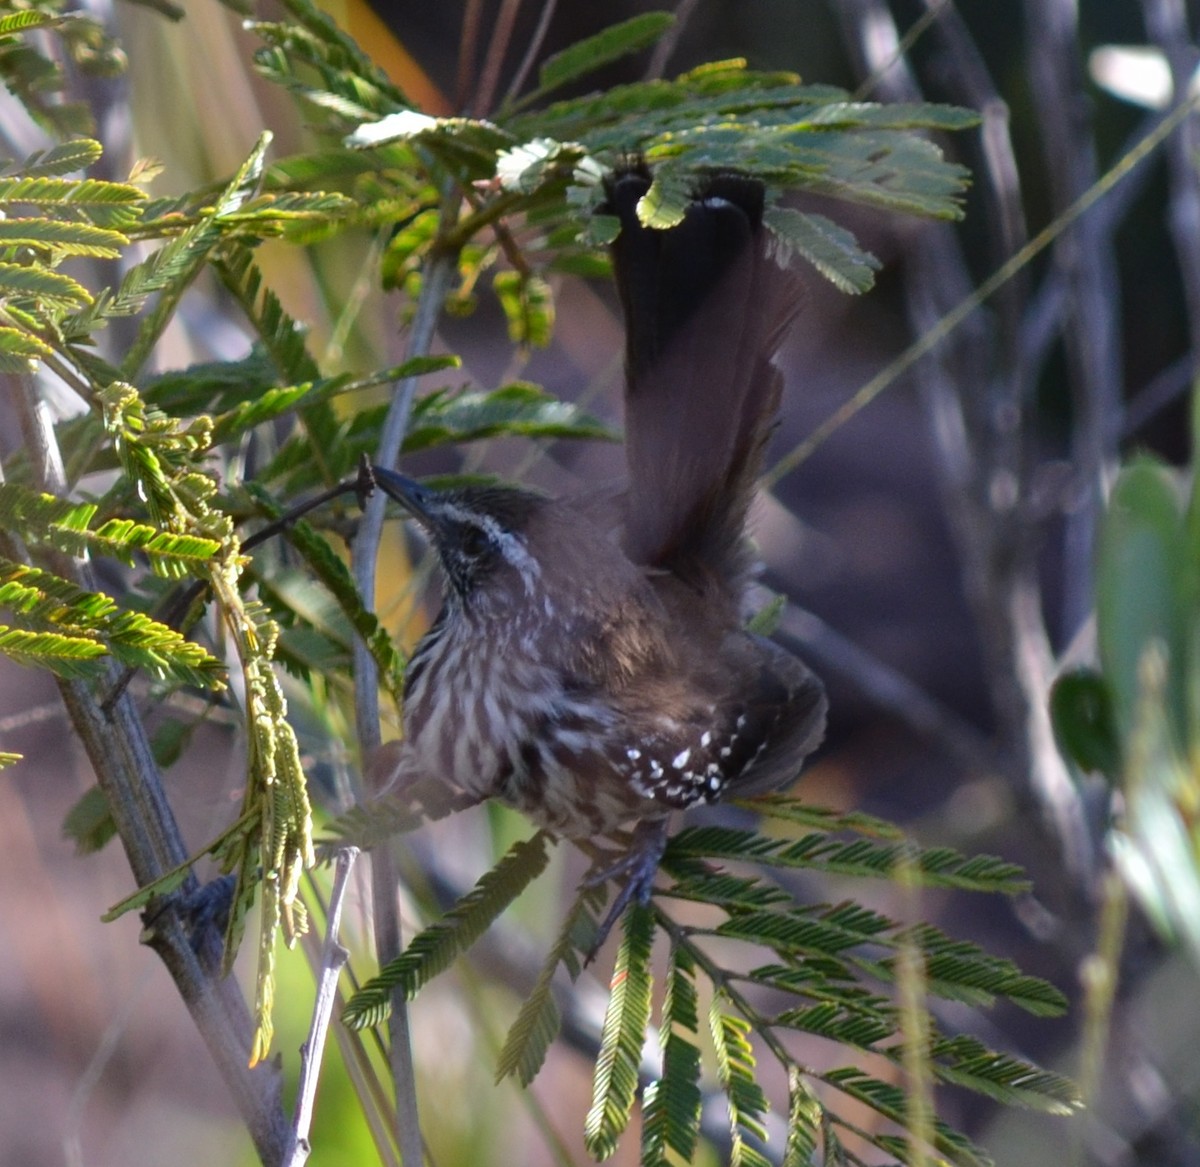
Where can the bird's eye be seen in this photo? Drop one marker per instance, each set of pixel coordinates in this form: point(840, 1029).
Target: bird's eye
point(475, 542)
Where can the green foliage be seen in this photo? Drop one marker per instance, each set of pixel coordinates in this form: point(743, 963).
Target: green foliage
point(938, 867)
point(66, 526)
point(35, 75)
point(538, 1022)
point(433, 950)
point(64, 622)
point(89, 823)
point(511, 199)
point(671, 1107)
point(544, 164)
point(837, 966)
point(1136, 719)
point(594, 52)
point(735, 1071)
point(624, 1033)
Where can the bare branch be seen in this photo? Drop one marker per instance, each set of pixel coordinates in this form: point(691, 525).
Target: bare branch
point(531, 51)
point(333, 960)
point(384, 878)
point(1085, 255)
point(666, 45)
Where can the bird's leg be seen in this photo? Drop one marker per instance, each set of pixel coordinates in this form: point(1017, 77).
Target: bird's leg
point(638, 865)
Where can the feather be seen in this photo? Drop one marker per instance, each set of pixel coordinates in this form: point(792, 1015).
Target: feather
point(705, 312)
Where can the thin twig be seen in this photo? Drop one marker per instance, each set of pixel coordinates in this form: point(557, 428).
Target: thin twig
point(979, 436)
point(333, 960)
point(489, 78)
point(178, 604)
point(531, 52)
point(377, 1102)
point(1166, 22)
point(468, 50)
point(667, 42)
point(898, 50)
point(1164, 389)
point(434, 289)
point(1044, 316)
point(1085, 253)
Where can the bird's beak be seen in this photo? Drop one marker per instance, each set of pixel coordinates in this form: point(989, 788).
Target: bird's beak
point(409, 493)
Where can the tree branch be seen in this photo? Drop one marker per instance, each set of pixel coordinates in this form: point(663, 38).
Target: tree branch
point(115, 741)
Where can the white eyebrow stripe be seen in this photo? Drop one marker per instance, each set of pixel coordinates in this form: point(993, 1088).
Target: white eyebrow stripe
point(512, 546)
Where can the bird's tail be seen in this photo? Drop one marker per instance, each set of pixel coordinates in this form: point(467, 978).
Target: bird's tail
point(705, 311)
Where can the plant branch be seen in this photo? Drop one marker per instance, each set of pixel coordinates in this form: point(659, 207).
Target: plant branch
point(333, 960)
point(468, 49)
point(384, 876)
point(1166, 22)
point(489, 78)
point(116, 744)
point(815, 641)
point(1084, 252)
point(668, 41)
point(925, 344)
point(531, 52)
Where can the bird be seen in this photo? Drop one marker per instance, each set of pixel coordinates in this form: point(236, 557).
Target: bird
point(590, 664)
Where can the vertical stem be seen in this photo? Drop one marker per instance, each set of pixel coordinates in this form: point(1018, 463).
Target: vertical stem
point(114, 738)
point(1085, 255)
point(333, 960)
point(384, 879)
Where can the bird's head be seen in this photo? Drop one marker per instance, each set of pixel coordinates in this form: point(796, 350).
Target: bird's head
point(480, 534)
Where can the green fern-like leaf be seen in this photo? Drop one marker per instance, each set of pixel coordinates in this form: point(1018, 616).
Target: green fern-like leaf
point(831, 249)
point(276, 400)
point(60, 159)
point(172, 266)
point(71, 657)
point(433, 950)
point(14, 22)
point(38, 285)
point(735, 1071)
point(318, 62)
point(20, 352)
point(517, 409)
point(58, 240)
point(960, 970)
point(47, 601)
point(936, 867)
point(594, 52)
point(723, 889)
point(332, 571)
point(671, 1109)
point(615, 1082)
point(43, 519)
point(539, 1020)
point(890, 1101)
point(818, 930)
point(439, 419)
point(963, 1060)
point(835, 1021)
point(789, 809)
point(806, 1124)
point(103, 204)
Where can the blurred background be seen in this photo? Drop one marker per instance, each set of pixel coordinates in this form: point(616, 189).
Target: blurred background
point(935, 551)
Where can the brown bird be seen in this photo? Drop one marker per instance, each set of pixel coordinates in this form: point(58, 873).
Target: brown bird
point(590, 666)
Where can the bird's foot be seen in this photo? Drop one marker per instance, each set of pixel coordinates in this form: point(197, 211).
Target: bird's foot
point(638, 866)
